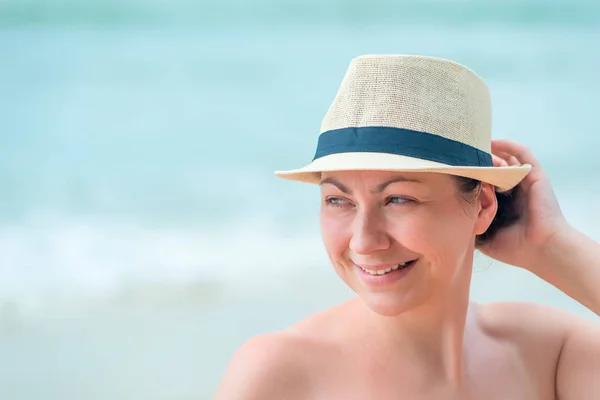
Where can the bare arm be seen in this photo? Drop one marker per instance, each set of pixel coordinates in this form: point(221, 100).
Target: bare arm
point(544, 243)
point(571, 262)
point(578, 370)
point(263, 368)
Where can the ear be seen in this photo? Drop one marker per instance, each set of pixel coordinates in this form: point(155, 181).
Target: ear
point(488, 206)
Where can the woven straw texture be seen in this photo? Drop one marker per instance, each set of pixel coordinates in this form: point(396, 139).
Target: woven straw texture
point(420, 93)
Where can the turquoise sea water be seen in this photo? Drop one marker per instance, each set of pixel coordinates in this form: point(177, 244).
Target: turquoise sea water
point(143, 235)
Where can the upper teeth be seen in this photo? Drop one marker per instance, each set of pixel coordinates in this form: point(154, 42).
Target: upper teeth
point(383, 271)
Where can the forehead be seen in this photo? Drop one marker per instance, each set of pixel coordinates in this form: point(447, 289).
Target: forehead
point(377, 181)
point(375, 177)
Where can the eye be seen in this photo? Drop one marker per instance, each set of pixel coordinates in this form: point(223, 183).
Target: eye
point(398, 200)
point(337, 202)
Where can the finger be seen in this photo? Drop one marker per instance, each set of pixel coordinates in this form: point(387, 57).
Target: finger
point(507, 158)
point(512, 160)
point(498, 162)
point(521, 152)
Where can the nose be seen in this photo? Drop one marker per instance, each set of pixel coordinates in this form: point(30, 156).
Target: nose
point(369, 233)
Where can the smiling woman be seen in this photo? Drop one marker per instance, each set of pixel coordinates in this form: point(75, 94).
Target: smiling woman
point(409, 190)
point(379, 221)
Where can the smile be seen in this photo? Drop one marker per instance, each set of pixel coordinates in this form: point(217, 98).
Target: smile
point(386, 270)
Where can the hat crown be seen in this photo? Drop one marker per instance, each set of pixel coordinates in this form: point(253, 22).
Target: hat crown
point(409, 113)
point(418, 93)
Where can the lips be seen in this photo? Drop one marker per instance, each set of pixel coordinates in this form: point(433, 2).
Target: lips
point(385, 268)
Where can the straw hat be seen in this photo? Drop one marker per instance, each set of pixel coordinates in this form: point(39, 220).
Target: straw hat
point(409, 113)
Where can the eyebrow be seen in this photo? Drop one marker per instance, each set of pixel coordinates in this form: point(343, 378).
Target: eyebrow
point(342, 188)
point(378, 189)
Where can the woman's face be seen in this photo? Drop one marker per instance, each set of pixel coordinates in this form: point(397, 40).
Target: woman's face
point(399, 239)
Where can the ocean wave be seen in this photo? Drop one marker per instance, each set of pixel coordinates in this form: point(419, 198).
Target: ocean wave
point(74, 265)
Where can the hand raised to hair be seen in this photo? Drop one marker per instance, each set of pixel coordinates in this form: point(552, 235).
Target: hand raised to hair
point(541, 216)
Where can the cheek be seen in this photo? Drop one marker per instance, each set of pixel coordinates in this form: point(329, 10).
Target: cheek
point(455, 241)
point(439, 235)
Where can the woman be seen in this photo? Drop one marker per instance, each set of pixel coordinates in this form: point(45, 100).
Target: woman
point(409, 190)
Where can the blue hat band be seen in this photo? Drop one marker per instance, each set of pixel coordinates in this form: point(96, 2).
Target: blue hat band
point(405, 142)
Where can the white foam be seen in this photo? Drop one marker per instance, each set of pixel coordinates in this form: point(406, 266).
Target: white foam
point(69, 260)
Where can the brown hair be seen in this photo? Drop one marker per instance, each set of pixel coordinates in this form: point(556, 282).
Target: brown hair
point(508, 211)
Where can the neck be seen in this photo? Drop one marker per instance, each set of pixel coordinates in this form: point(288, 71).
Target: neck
point(432, 334)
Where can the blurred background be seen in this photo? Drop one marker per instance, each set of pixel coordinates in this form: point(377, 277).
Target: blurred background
point(143, 236)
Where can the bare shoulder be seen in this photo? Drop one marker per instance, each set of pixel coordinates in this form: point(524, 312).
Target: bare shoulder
point(267, 366)
point(516, 318)
point(561, 348)
point(535, 329)
point(280, 364)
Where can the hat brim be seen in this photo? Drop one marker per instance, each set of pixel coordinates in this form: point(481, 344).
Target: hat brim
point(504, 178)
